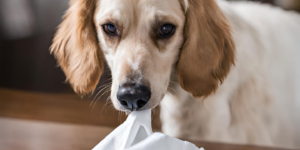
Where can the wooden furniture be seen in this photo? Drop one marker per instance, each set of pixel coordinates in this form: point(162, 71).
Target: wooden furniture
point(66, 108)
point(20, 134)
point(34, 121)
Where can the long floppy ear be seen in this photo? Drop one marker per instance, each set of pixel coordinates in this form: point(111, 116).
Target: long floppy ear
point(76, 48)
point(208, 51)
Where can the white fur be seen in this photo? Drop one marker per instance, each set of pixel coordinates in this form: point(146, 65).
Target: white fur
point(258, 102)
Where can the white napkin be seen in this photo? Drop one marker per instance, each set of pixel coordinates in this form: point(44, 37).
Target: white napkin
point(136, 134)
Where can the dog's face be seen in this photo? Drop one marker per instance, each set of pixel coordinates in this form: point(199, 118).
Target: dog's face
point(142, 41)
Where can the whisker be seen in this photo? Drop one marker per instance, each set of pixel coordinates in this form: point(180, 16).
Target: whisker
point(98, 94)
point(108, 103)
point(108, 107)
point(105, 92)
point(95, 104)
point(105, 105)
point(104, 85)
point(101, 96)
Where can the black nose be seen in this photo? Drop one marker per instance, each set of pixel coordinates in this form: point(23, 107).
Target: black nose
point(133, 96)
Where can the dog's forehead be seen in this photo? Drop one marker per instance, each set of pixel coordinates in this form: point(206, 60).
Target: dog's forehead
point(133, 9)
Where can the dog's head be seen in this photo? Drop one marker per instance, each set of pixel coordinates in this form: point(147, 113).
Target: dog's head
point(142, 41)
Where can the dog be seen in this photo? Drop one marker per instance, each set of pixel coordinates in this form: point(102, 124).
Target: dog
point(222, 71)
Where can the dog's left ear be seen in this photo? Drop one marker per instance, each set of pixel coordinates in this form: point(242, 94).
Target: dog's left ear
point(208, 51)
point(75, 46)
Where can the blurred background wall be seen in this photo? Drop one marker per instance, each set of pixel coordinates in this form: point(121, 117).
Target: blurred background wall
point(26, 31)
point(23, 18)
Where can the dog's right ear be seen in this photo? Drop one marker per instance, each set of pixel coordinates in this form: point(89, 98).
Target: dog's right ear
point(208, 51)
point(75, 46)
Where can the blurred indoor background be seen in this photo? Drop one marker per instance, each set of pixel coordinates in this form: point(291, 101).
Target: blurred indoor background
point(31, 84)
point(26, 30)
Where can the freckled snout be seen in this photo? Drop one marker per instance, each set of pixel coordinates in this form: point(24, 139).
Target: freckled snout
point(133, 96)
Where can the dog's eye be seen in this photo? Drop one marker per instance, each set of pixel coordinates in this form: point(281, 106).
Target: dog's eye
point(166, 30)
point(110, 29)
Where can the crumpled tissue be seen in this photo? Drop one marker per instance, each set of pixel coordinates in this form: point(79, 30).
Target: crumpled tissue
point(136, 134)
